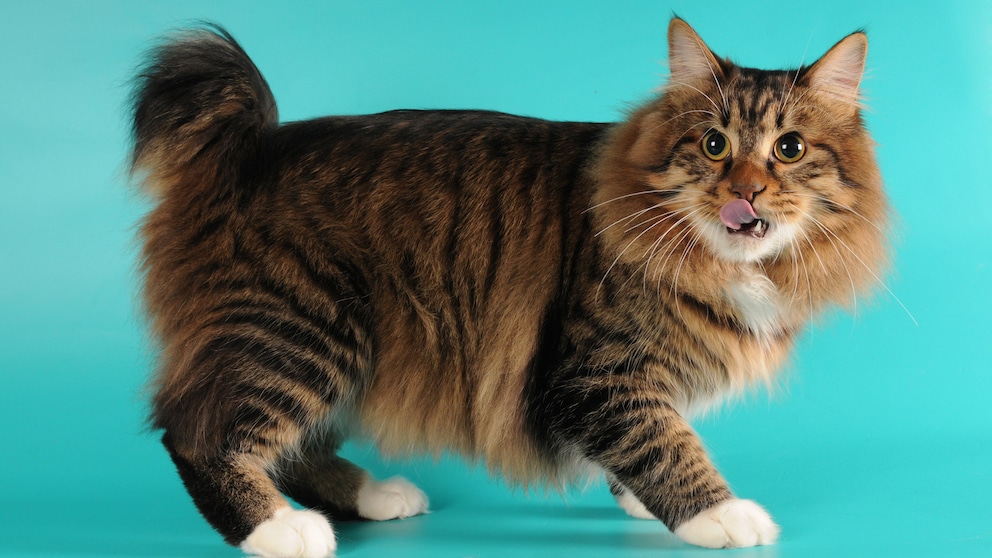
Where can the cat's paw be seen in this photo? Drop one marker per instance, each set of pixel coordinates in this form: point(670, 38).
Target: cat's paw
point(395, 498)
point(630, 504)
point(731, 524)
point(292, 534)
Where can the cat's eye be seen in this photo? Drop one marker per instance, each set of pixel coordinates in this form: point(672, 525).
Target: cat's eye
point(715, 145)
point(790, 148)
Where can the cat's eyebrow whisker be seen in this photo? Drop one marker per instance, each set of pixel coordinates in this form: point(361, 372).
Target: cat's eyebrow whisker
point(704, 51)
point(700, 91)
point(795, 78)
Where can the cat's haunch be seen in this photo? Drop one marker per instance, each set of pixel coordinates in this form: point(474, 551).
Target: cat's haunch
point(547, 297)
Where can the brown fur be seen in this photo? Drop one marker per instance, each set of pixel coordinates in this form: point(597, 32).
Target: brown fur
point(539, 295)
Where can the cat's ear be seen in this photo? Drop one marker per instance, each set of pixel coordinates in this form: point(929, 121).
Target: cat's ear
point(838, 73)
point(689, 59)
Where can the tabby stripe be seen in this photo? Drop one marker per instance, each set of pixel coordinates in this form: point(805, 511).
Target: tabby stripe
point(253, 349)
point(844, 178)
point(240, 312)
point(296, 336)
point(284, 403)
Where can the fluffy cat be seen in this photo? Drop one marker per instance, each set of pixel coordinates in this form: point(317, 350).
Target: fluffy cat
point(543, 296)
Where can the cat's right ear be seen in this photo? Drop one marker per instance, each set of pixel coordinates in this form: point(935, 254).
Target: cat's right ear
point(689, 59)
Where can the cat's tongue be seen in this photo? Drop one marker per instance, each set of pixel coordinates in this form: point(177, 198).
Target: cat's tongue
point(737, 213)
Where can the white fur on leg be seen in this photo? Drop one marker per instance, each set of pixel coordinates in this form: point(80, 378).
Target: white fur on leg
point(292, 534)
point(731, 524)
point(634, 508)
point(395, 498)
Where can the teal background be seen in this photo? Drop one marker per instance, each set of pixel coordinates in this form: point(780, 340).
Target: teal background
point(879, 442)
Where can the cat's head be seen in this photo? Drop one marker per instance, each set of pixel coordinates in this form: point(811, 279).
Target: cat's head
point(740, 165)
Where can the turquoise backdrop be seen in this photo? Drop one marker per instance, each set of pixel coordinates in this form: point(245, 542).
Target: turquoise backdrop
point(878, 444)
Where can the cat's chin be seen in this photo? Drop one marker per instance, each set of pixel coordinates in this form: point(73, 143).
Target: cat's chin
point(759, 240)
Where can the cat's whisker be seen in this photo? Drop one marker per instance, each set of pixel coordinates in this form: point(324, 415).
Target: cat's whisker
point(866, 267)
point(629, 217)
point(700, 91)
point(809, 285)
point(623, 197)
point(826, 200)
point(830, 238)
point(658, 220)
point(652, 250)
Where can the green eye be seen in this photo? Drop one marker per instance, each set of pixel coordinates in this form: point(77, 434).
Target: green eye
point(790, 148)
point(715, 145)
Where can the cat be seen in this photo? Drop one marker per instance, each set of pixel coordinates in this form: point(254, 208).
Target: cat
point(551, 298)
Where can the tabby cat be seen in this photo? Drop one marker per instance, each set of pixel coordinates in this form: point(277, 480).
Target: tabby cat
point(553, 298)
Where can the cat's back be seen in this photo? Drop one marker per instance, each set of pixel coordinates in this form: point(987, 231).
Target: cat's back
point(423, 193)
point(426, 149)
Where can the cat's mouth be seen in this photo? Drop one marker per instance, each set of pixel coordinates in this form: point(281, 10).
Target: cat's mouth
point(741, 219)
point(754, 229)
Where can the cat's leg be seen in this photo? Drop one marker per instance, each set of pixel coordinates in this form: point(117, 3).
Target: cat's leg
point(236, 495)
point(321, 480)
point(630, 428)
point(627, 501)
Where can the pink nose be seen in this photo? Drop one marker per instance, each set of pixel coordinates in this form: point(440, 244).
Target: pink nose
point(746, 191)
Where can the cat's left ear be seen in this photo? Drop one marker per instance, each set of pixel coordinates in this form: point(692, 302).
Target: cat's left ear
point(689, 59)
point(837, 74)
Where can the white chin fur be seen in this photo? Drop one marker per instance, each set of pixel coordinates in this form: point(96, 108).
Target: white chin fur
point(395, 498)
point(731, 524)
point(292, 534)
point(743, 249)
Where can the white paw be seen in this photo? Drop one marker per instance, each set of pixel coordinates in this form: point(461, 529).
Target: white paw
point(292, 534)
point(730, 524)
point(395, 498)
point(634, 508)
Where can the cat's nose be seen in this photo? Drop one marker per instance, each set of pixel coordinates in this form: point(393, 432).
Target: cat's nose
point(747, 191)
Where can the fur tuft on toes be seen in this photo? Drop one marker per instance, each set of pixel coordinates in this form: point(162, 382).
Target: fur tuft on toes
point(730, 524)
point(634, 508)
point(395, 498)
point(292, 534)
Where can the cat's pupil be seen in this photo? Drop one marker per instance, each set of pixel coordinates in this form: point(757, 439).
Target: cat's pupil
point(790, 147)
point(716, 144)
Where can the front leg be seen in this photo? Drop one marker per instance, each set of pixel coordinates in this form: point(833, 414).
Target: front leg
point(630, 428)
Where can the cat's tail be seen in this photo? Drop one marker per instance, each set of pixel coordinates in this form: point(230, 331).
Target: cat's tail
point(201, 111)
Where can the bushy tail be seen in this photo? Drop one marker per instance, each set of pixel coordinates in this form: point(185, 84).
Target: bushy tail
point(201, 109)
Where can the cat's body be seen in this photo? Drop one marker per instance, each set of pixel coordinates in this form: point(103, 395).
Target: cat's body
point(544, 296)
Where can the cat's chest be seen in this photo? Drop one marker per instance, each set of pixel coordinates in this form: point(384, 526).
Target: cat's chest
point(757, 304)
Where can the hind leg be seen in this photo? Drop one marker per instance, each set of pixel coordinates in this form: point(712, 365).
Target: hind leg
point(321, 480)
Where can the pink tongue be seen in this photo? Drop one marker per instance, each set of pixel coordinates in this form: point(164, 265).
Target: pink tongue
point(737, 213)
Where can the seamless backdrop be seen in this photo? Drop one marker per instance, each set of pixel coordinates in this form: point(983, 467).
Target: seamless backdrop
point(878, 443)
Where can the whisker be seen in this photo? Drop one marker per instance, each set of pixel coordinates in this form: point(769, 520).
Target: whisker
point(865, 265)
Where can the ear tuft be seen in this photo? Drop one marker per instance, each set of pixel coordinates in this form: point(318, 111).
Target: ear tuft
point(837, 74)
point(689, 59)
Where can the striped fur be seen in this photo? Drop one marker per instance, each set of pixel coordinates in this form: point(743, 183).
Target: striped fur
point(539, 295)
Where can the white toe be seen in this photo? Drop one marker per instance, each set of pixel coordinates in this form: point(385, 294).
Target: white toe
point(392, 499)
point(634, 508)
point(292, 534)
point(730, 524)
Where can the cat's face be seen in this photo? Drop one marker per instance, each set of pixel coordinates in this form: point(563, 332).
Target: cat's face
point(747, 165)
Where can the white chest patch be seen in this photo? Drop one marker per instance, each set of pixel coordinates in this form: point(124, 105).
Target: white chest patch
point(758, 304)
